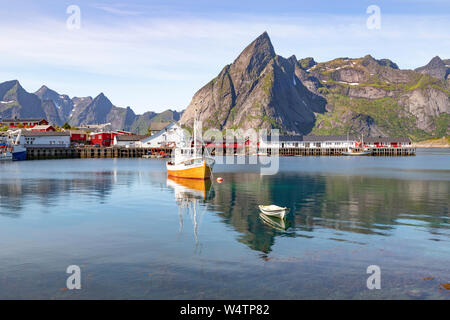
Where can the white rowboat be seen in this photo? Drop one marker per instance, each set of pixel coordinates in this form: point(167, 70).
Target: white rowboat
point(274, 211)
point(356, 153)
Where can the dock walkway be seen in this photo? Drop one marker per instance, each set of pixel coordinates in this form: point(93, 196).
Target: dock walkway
point(36, 153)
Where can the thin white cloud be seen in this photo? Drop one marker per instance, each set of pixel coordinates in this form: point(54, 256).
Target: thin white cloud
point(117, 10)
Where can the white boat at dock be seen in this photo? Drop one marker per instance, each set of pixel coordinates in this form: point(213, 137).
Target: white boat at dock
point(358, 149)
point(356, 152)
point(6, 156)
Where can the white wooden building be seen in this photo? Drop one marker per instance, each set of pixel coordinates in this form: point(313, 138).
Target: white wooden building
point(168, 137)
point(316, 142)
point(44, 139)
point(307, 142)
point(125, 140)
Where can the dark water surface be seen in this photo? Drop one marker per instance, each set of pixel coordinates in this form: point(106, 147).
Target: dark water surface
point(137, 235)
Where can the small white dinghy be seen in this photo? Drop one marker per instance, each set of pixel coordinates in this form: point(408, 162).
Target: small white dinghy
point(274, 211)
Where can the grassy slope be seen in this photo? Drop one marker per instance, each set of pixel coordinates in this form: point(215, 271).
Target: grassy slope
point(435, 142)
point(386, 112)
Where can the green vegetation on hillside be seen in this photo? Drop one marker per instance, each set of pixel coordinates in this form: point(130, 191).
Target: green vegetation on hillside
point(385, 112)
point(442, 124)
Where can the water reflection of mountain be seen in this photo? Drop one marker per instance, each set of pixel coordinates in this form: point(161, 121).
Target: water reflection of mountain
point(346, 204)
point(16, 193)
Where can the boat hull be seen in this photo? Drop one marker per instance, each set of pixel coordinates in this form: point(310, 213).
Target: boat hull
point(196, 171)
point(19, 153)
point(356, 153)
point(19, 156)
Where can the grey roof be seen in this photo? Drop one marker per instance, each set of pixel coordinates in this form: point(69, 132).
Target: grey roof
point(387, 139)
point(282, 138)
point(309, 138)
point(76, 131)
point(328, 138)
point(312, 138)
point(126, 137)
point(158, 126)
point(42, 126)
point(22, 120)
point(28, 133)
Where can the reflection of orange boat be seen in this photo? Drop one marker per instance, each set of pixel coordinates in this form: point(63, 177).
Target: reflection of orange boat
point(187, 192)
point(193, 186)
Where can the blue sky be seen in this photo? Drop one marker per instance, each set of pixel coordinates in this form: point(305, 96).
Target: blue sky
point(154, 55)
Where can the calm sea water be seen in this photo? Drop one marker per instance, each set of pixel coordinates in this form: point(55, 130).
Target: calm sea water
point(138, 235)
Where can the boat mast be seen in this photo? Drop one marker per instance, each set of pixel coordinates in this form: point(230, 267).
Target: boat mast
point(195, 134)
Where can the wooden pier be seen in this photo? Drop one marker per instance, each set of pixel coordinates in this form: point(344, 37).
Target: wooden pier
point(38, 153)
point(41, 153)
point(386, 151)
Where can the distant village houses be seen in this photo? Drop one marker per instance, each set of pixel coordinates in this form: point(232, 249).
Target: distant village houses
point(24, 123)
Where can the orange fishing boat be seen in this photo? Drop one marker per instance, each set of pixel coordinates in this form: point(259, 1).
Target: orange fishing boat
point(191, 162)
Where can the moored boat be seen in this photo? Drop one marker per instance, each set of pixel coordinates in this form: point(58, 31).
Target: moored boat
point(356, 152)
point(191, 162)
point(5, 156)
point(358, 149)
point(18, 151)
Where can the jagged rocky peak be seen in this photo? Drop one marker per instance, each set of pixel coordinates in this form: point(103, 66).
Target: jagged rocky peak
point(6, 92)
point(45, 93)
point(255, 56)
point(436, 62)
point(368, 60)
point(388, 63)
point(42, 90)
point(258, 90)
point(436, 68)
point(101, 100)
point(307, 63)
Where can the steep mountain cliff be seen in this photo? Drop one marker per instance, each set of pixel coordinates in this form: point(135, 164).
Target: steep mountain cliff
point(16, 102)
point(258, 90)
point(359, 95)
point(63, 103)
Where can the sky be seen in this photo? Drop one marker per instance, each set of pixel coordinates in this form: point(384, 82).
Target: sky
point(155, 54)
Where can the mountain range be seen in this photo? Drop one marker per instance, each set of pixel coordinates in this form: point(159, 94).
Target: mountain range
point(261, 89)
point(60, 108)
